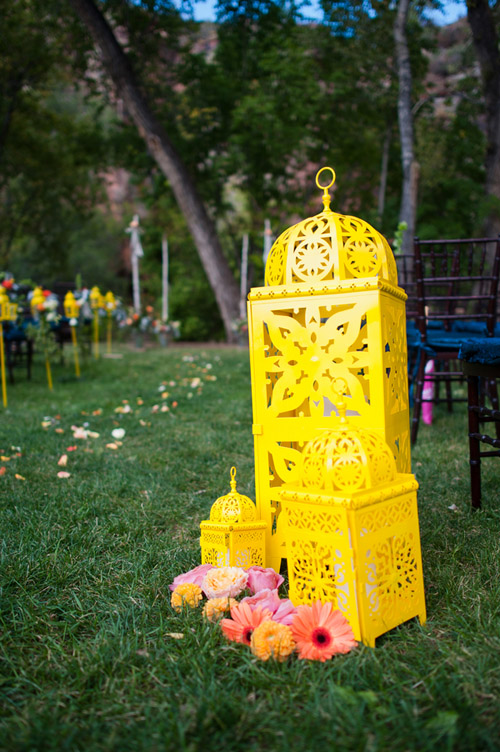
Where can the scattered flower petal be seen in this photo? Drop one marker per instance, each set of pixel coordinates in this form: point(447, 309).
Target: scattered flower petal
point(175, 635)
point(59, 430)
point(3, 470)
point(112, 446)
point(71, 448)
point(19, 477)
point(63, 474)
point(63, 460)
point(118, 433)
point(453, 507)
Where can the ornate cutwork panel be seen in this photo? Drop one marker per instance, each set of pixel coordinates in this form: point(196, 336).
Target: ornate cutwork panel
point(392, 513)
point(308, 349)
point(329, 246)
point(395, 358)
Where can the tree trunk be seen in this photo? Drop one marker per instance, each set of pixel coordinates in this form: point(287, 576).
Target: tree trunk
point(408, 206)
point(384, 168)
point(486, 42)
point(163, 152)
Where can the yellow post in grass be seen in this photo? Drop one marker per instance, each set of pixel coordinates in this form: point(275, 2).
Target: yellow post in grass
point(37, 303)
point(95, 303)
point(110, 304)
point(72, 311)
point(8, 312)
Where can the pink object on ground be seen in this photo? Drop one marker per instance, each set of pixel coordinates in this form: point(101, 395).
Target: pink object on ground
point(428, 393)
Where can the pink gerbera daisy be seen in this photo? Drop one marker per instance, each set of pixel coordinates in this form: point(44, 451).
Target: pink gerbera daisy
point(320, 632)
point(243, 622)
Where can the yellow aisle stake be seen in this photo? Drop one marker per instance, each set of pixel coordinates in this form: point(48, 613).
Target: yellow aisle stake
point(331, 309)
point(95, 303)
point(110, 305)
point(37, 302)
point(8, 312)
point(233, 536)
point(72, 311)
point(352, 534)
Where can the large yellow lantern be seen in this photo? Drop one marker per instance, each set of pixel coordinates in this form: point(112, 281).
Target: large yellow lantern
point(329, 321)
point(352, 533)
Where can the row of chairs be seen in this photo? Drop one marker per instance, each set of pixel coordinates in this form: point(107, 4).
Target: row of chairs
point(452, 318)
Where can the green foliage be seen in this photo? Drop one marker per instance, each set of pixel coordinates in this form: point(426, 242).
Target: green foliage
point(87, 659)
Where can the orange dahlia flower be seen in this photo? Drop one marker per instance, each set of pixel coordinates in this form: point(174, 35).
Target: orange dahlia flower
point(243, 622)
point(272, 640)
point(320, 632)
point(186, 594)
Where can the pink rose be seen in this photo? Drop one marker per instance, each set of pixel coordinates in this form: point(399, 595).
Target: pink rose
point(263, 579)
point(282, 610)
point(194, 576)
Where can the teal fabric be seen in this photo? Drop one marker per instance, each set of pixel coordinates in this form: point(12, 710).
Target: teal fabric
point(485, 351)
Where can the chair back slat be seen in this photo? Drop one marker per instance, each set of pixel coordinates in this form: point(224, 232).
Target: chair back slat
point(456, 280)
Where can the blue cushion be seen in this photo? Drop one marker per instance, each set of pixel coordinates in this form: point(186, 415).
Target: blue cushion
point(485, 351)
point(470, 327)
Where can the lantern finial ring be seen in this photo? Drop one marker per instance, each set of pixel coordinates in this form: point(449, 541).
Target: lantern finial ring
point(326, 195)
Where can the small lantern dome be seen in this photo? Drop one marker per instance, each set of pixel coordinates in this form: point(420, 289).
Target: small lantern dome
point(234, 507)
point(329, 246)
point(346, 459)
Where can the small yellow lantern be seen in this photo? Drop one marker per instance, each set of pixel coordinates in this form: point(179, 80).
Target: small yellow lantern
point(37, 299)
point(8, 312)
point(110, 305)
point(96, 302)
point(72, 311)
point(233, 536)
point(351, 530)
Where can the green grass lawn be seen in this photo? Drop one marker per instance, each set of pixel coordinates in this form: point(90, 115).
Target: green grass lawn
point(87, 660)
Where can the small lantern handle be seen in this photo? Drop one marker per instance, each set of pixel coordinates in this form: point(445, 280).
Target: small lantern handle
point(326, 195)
point(233, 478)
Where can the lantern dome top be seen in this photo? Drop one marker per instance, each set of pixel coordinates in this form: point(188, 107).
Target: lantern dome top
point(234, 507)
point(329, 246)
point(346, 459)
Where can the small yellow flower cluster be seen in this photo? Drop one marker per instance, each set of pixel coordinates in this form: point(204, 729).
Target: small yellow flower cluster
point(186, 595)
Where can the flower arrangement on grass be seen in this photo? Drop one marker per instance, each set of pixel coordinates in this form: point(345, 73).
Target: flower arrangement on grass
point(271, 626)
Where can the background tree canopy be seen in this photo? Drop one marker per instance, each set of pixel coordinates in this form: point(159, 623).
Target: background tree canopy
point(253, 105)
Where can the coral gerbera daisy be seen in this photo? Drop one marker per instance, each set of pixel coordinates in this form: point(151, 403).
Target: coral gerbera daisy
point(272, 639)
point(321, 632)
point(186, 594)
point(215, 608)
point(243, 622)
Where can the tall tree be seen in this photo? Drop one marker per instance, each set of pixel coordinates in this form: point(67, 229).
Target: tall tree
point(168, 159)
point(405, 119)
point(486, 43)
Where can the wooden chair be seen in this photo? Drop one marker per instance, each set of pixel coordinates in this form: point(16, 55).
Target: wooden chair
point(481, 365)
point(457, 291)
